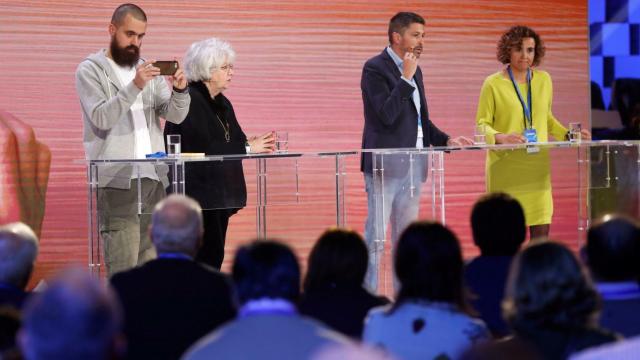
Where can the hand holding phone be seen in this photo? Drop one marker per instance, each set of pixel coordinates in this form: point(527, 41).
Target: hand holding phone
point(167, 67)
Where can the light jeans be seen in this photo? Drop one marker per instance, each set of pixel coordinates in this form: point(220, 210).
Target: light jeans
point(401, 201)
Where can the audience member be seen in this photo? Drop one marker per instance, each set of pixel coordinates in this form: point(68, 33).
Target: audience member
point(76, 317)
point(613, 256)
point(351, 352)
point(9, 326)
point(18, 251)
point(267, 278)
point(333, 291)
point(431, 318)
point(622, 350)
point(172, 301)
point(551, 304)
point(507, 348)
point(499, 228)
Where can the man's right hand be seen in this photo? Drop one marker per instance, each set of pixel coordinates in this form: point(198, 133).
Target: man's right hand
point(409, 65)
point(513, 138)
point(144, 73)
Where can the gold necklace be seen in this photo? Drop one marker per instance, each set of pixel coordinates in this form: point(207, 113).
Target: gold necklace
point(227, 137)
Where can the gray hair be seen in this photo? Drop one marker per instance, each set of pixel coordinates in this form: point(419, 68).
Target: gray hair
point(18, 251)
point(75, 317)
point(176, 225)
point(205, 56)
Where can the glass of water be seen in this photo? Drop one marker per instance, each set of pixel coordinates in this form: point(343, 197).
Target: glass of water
point(173, 145)
point(480, 136)
point(575, 132)
point(282, 141)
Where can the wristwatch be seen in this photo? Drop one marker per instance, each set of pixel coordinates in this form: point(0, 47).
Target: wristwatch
point(247, 147)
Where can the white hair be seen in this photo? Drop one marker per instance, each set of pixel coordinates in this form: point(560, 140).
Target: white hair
point(205, 56)
point(176, 225)
point(18, 251)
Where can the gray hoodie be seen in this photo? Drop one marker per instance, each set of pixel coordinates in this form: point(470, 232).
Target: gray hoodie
point(108, 131)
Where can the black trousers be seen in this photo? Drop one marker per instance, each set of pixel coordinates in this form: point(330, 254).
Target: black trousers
point(215, 232)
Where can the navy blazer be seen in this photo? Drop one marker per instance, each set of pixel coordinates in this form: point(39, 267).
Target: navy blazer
point(390, 116)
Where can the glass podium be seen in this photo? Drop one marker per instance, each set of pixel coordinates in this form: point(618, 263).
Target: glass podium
point(299, 195)
point(311, 182)
point(588, 179)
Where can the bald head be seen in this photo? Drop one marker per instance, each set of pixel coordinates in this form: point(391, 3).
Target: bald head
point(18, 251)
point(176, 225)
point(123, 10)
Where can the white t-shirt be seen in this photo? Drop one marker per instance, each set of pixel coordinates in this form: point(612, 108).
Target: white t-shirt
point(142, 137)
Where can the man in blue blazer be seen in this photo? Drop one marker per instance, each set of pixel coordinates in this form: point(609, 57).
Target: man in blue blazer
point(396, 116)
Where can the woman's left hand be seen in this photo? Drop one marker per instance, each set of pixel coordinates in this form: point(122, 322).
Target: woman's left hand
point(585, 134)
point(265, 143)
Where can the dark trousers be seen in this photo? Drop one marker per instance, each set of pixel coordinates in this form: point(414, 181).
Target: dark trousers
point(215, 231)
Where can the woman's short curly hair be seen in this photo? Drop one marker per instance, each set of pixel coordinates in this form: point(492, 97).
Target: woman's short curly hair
point(205, 56)
point(513, 39)
point(549, 289)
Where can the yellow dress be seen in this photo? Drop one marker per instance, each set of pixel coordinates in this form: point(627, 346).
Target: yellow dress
point(524, 176)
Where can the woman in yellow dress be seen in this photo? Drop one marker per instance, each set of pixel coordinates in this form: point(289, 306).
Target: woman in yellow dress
point(515, 107)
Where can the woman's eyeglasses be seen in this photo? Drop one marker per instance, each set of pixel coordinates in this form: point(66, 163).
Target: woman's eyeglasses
point(226, 68)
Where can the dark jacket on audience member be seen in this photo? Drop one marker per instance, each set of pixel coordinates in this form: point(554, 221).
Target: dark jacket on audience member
point(12, 296)
point(486, 277)
point(620, 307)
point(169, 304)
point(341, 307)
point(561, 343)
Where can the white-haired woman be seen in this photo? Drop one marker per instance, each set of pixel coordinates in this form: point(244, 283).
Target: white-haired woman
point(211, 127)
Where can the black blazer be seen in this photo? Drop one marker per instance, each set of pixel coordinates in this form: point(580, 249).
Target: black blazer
point(169, 304)
point(342, 307)
point(214, 184)
point(390, 117)
point(12, 296)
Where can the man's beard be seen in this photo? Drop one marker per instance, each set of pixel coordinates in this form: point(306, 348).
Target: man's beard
point(127, 56)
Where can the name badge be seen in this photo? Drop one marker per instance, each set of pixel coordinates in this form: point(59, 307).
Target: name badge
point(531, 135)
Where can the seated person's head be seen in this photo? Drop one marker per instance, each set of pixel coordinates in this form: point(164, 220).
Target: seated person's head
point(429, 265)
point(613, 249)
point(176, 225)
point(18, 251)
point(339, 257)
point(498, 225)
point(266, 269)
point(75, 317)
point(548, 288)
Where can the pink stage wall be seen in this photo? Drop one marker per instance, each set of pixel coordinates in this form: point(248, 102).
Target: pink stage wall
point(298, 68)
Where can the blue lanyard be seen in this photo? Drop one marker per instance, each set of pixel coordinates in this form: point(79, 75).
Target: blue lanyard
point(526, 107)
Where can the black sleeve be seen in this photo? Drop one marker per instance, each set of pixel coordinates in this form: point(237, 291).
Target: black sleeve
point(198, 136)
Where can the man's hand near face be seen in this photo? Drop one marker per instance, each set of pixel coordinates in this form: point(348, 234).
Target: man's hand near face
point(409, 64)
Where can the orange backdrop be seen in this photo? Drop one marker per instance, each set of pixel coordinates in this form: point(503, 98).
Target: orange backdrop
point(298, 68)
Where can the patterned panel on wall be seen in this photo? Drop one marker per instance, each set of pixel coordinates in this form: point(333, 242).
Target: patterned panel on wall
point(614, 31)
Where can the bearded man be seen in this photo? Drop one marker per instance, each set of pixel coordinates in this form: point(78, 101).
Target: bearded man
point(122, 98)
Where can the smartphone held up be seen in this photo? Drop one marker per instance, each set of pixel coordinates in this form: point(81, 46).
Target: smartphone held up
point(167, 67)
